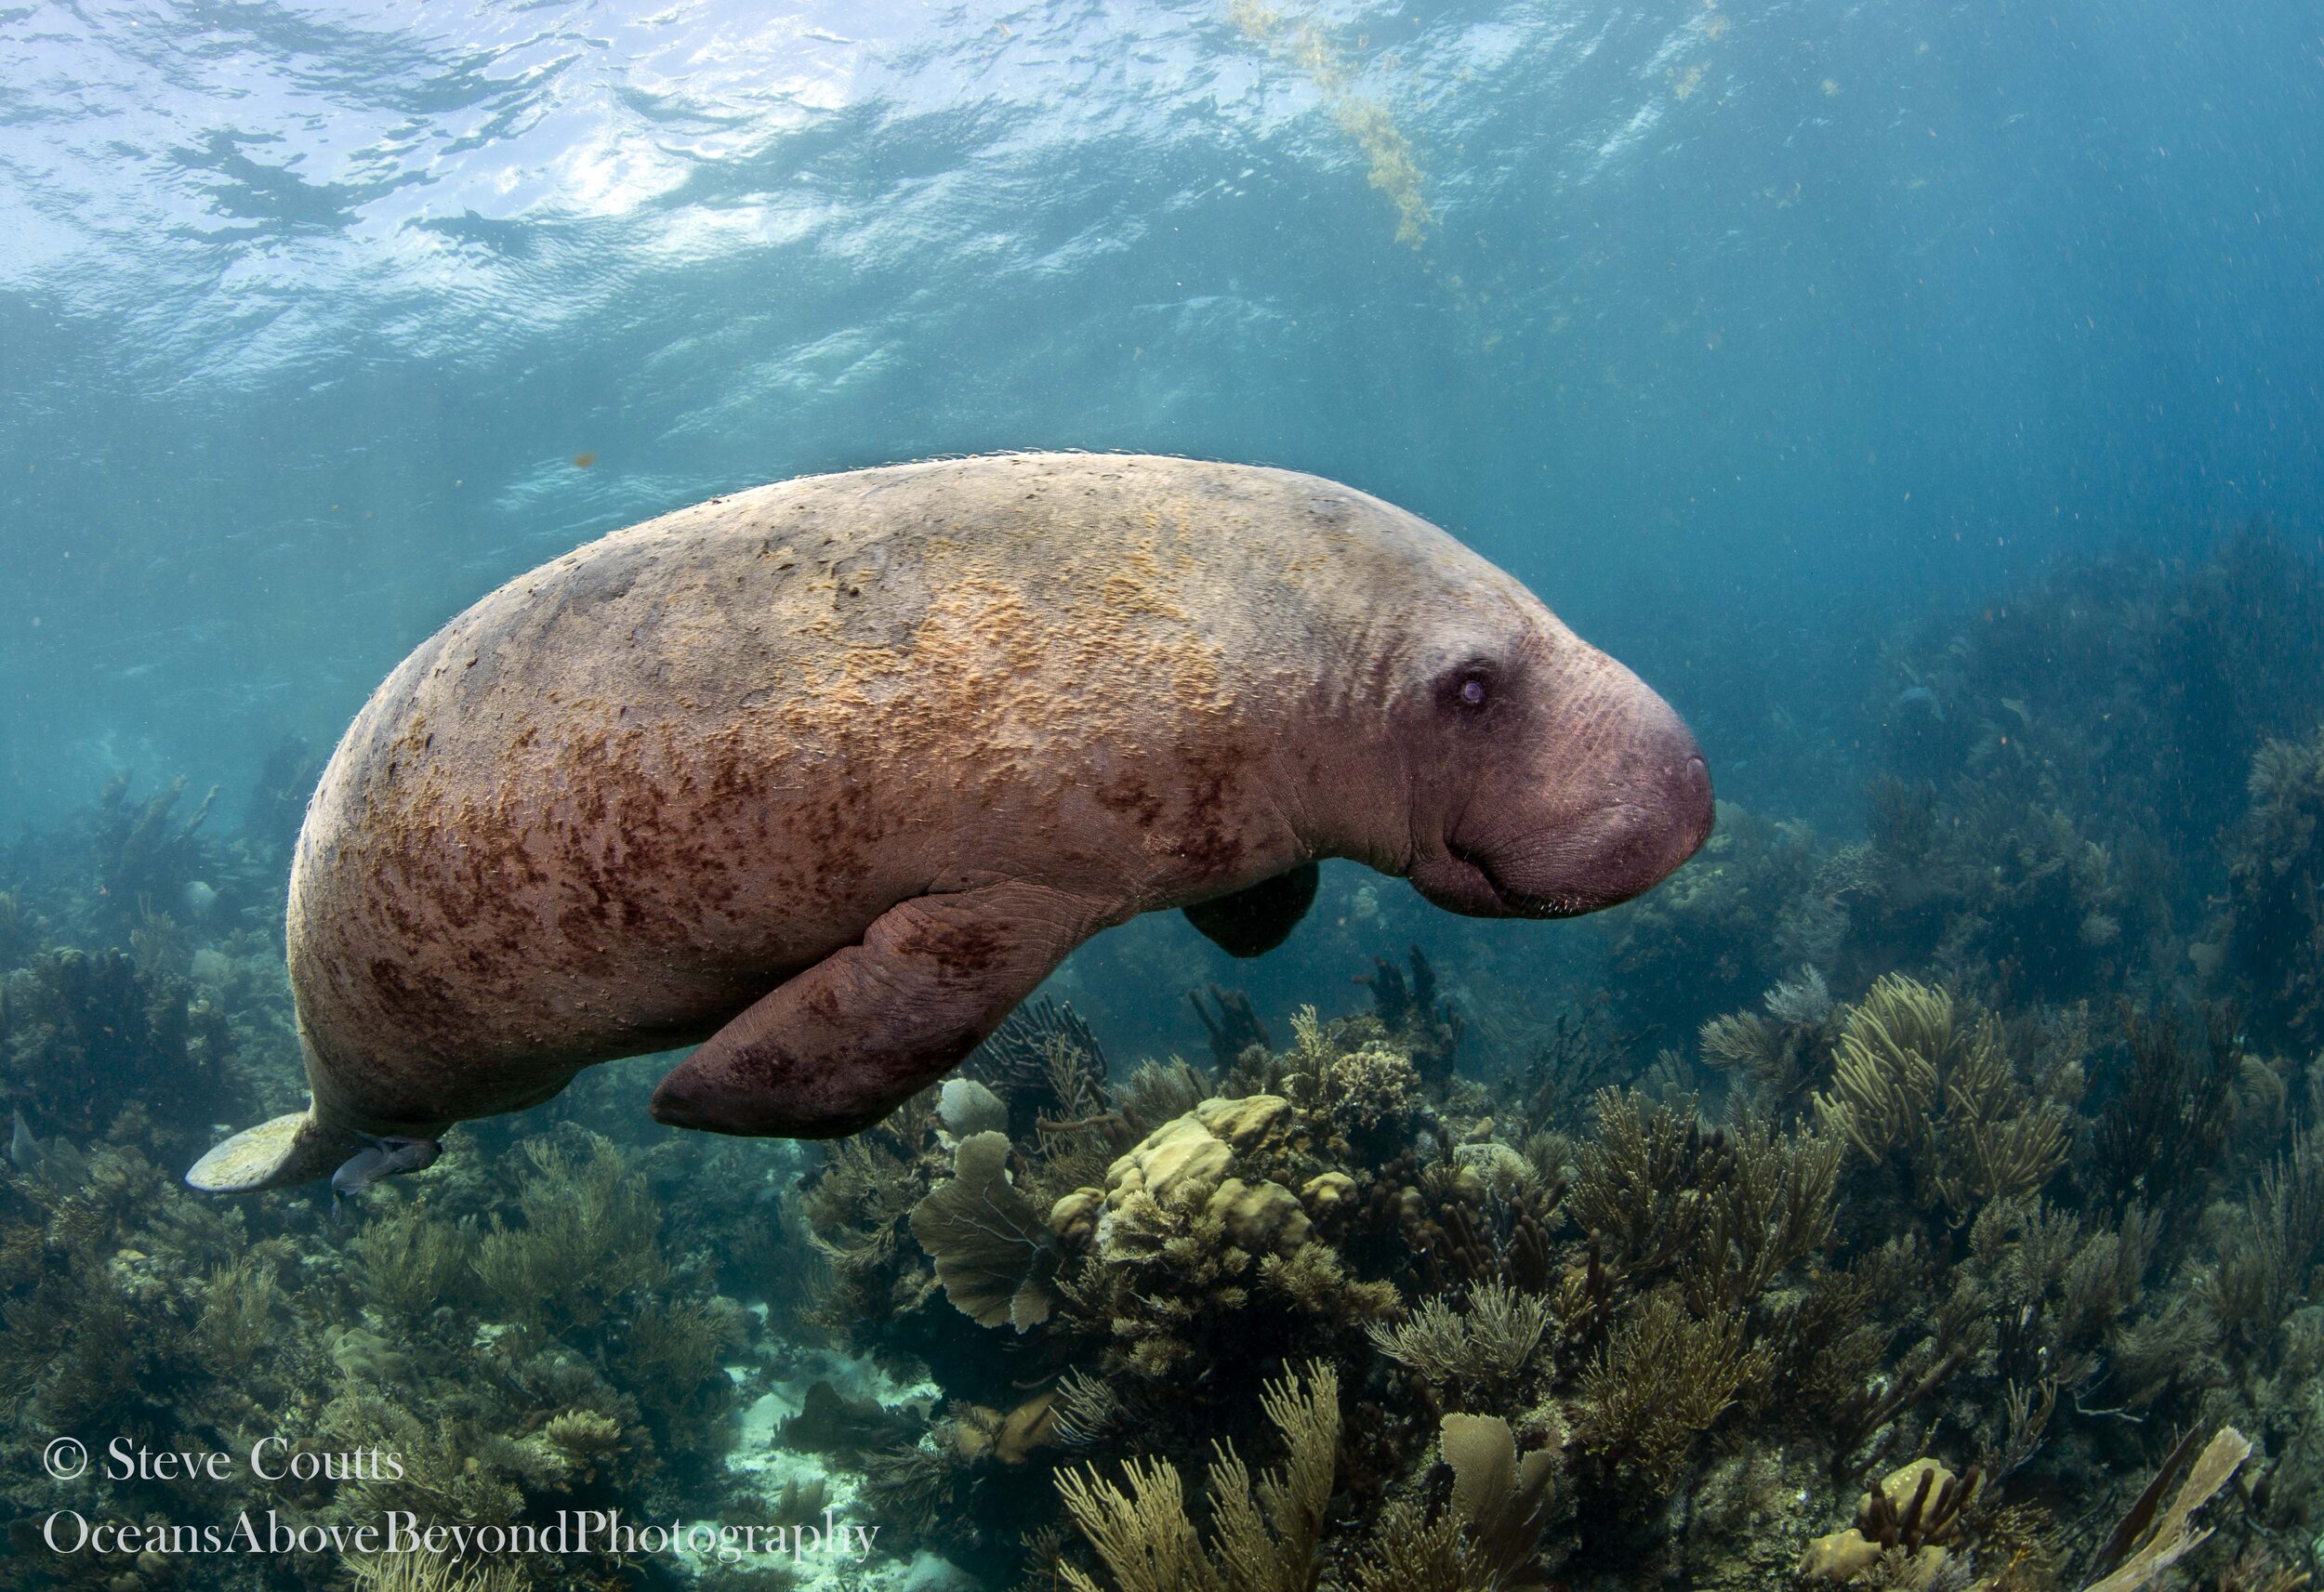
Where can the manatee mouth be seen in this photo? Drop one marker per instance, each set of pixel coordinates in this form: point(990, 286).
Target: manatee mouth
point(1517, 903)
point(1622, 850)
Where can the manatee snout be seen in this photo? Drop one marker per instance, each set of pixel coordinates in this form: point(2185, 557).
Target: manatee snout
point(1658, 813)
point(1591, 817)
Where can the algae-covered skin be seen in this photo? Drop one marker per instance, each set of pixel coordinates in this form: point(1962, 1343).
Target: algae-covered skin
point(831, 773)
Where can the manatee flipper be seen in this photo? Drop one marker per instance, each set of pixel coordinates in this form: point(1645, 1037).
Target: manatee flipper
point(294, 1148)
point(1254, 921)
point(840, 1046)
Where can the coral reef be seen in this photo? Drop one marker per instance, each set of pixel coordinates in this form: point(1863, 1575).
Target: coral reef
point(2150, 1539)
point(1201, 1239)
point(1486, 1535)
point(1898, 1208)
point(2272, 947)
point(993, 1252)
point(1421, 1027)
point(145, 856)
point(1658, 1382)
point(1914, 1083)
point(1043, 1063)
point(1861, 1262)
point(85, 1035)
point(133, 1307)
point(1473, 1354)
point(1261, 1542)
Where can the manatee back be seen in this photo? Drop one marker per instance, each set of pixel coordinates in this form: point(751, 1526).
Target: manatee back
point(621, 796)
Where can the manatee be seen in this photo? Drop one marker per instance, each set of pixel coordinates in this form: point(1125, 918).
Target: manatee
point(827, 776)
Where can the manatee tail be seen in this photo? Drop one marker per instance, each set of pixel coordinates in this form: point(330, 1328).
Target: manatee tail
point(294, 1148)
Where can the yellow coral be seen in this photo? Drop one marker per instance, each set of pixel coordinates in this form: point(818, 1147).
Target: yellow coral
point(1327, 1192)
point(1246, 1122)
point(1075, 1216)
point(1178, 1158)
point(1916, 1515)
point(1261, 1217)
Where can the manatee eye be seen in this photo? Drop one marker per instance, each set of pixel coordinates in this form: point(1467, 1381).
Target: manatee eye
point(1467, 691)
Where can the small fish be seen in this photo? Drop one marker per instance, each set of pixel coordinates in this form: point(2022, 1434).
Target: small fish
point(584, 460)
point(23, 1149)
point(378, 1159)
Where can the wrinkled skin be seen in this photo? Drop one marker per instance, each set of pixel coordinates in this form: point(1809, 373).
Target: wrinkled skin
point(830, 774)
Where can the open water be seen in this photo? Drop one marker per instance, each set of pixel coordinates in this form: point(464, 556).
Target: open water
point(1924, 400)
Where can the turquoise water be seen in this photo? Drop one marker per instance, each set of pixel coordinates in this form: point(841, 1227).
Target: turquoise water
point(1923, 399)
point(1716, 324)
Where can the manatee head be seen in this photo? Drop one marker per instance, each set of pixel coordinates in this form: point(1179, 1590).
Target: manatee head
point(1545, 779)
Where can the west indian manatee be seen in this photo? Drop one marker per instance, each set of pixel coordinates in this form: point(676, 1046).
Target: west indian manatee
point(830, 774)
